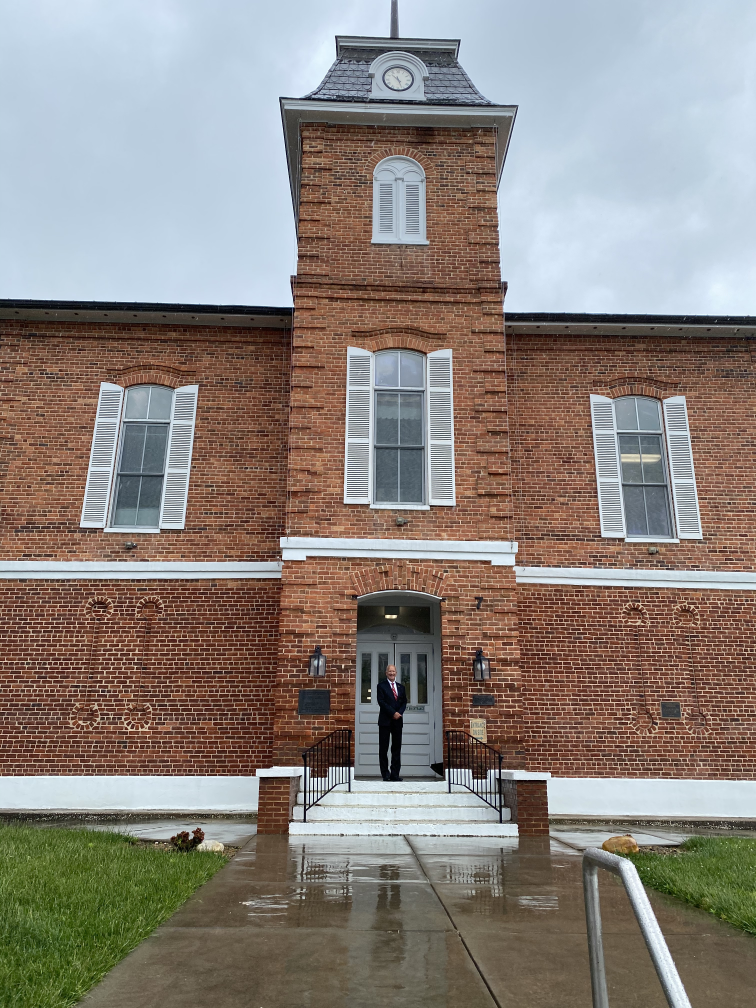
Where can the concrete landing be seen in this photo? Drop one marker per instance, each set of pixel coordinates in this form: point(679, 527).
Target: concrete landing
point(416, 922)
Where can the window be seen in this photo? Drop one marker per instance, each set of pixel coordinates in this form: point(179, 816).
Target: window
point(141, 457)
point(399, 202)
point(644, 468)
point(399, 429)
point(141, 463)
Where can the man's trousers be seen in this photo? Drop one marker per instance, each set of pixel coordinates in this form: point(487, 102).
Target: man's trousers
point(391, 731)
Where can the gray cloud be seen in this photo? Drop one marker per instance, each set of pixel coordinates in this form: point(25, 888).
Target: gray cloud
point(142, 156)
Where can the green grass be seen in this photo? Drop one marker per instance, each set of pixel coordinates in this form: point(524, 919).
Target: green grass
point(74, 902)
point(715, 874)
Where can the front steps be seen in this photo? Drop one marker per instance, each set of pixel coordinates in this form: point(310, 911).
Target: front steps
point(414, 808)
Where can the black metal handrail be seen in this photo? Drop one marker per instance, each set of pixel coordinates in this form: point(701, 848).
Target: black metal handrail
point(472, 764)
point(332, 753)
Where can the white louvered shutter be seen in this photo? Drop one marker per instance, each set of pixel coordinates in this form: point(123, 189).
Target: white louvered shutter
point(441, 428)
point(412, 214)
point(179, 458)
point(608, 472)
point(383, 211)
point(359, 427)
point(102, 458)
point(682, 474)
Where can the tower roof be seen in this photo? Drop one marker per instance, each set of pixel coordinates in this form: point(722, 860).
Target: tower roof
point(349, 78)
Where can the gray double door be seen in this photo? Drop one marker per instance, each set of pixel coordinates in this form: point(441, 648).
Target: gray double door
point(417, 669)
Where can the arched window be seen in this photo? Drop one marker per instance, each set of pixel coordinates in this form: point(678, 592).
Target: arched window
point(399, 202)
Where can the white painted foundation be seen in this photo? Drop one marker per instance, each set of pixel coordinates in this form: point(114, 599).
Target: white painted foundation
point(139, 794)
point(634, 796)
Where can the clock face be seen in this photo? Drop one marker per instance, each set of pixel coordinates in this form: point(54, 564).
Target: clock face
point(398, 78)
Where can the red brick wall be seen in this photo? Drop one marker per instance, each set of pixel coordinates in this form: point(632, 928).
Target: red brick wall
point(52, 375)
point(318, 607)
point(444, 294)
point(276, 803)
point(596, 664)
point(148, 677)
point(551, 378)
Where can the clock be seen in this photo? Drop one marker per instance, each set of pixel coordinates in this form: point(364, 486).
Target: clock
point(398, 78)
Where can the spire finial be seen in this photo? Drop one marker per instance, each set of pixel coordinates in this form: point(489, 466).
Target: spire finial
point(394, 19)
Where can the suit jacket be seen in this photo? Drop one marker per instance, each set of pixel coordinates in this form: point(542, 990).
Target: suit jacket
point(389, 706)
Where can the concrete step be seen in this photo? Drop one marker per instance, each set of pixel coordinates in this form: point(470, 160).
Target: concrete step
point(399, 799)
point(403, 829)
point(407, 786)
point(389, 814)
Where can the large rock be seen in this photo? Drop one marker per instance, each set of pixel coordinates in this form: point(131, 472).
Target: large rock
point(217, 847)
point(617, 845)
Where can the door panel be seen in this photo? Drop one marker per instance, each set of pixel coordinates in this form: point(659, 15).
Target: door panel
point(416, 670)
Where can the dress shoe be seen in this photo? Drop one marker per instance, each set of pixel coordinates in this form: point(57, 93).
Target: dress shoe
point(387, 778)
point(396, 778)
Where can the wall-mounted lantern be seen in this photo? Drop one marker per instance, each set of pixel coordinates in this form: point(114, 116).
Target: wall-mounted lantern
point(317, 664)
point(391, 612)
point(481, 666)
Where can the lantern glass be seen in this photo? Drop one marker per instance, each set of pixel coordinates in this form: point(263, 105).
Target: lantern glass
point(317, 663)
point(481, 666)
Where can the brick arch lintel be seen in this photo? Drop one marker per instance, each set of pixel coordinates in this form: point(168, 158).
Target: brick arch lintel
point(399, 338)
point(398, 576)
point(154, 374)
point(642, 386)
point(409, 152)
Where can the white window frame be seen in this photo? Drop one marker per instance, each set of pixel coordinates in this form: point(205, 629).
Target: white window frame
point(400, 182)
point(359, 460)
point(106, 447)
point(678, 458)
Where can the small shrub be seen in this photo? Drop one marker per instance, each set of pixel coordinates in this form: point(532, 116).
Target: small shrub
point(185, 843)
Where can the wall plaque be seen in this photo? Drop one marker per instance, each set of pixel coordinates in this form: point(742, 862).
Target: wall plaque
point(483, 700)
point(479, 729)
point(670, 709)
point(314, 701)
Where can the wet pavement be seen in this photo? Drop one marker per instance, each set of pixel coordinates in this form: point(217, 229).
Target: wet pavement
point(417, 922)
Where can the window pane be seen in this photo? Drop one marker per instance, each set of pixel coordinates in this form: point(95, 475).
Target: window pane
point(156, 441)
point(150, 493)
point(422, 678)
point(387, 369)
point(132, 452)
point(635, 511)
point(161, 400)
point(127, 500)
point(137, 402)
point(649, 415)
point(412, 371)
point(366, 678)
point(386, 475)
point(383, 664)
point(411, 419)
point(657, 511)
point(651, 458)
point(411, 476)
point(387, 418)
point(631, 460)
point(404, 674)
point(624, 410)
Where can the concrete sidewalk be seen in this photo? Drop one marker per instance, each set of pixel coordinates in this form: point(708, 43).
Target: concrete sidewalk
point(416, 922)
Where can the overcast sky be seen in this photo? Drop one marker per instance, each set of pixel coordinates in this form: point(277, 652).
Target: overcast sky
point(142, 158)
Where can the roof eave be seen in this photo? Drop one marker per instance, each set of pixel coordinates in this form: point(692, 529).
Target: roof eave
point(398, 44)
point(295, 111)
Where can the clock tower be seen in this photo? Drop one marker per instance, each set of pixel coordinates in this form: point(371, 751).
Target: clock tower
point(398, 544)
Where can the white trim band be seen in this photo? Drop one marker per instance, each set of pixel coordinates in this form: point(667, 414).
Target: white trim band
point(126, 570)
point(499, 554)
point(659, 797)
point(613, 577)
point(135, 793)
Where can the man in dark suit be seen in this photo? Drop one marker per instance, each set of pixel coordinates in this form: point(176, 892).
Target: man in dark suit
point(392, 701)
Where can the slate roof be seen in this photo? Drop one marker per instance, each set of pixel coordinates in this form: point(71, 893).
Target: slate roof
point(447, 84)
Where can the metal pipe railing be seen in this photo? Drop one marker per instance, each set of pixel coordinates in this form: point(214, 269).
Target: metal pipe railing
point(476, 766)
point(326, 765)
point(664, 964)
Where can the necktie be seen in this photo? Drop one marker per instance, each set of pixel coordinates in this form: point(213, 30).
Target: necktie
point(393, 688)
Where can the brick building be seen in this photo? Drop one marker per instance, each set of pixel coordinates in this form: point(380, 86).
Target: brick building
point(196, 498)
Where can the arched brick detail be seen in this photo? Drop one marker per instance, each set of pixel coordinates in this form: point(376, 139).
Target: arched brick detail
point(399, 338)
point(409, 152)
point(146, 374)
point(639, 386)
point(397, 576)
